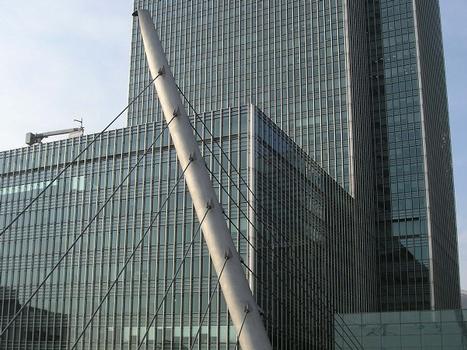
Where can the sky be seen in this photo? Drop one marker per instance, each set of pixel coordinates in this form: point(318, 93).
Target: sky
point(69, 59)
point(455, 47)
point(61, 60)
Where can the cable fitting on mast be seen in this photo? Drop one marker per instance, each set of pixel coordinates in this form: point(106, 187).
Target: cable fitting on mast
point(260, 310)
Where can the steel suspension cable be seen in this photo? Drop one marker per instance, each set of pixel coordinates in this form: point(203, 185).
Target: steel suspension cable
point(233, 201)
point(276, 297)
point(82, 232)
point(237, 343)
point(223, 188)
point(197, 116)
point(275, 254)
point(245, 183)
point(8, 226)
point(185, 255)
point(208, 307)
point(247, 201)
point(130, 257)
point(271, 322)
point(148, 328)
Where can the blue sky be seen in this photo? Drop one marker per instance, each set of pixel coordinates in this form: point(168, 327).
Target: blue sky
point(455, 47)
point(65, 59)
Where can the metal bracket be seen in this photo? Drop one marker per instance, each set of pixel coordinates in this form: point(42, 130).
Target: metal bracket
point(209, 205)
point(261, 311)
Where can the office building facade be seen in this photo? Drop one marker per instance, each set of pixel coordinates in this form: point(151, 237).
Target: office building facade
point(349, 209)
point(291, 59)
point(292, 223)
point(417, 236)
point(360, 86)
point(304, 63)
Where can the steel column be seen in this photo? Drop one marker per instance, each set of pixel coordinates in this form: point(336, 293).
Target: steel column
point(240, 301)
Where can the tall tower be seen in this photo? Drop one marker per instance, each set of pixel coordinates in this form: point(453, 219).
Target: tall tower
point(416, 222)
point(304, 63)
point(307, 65)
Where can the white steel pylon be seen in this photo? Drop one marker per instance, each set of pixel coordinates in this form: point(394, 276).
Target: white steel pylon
point(240, 301)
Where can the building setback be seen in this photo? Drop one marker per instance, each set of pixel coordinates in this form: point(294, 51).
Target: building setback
point(304, 63)
point(360, 86)
point(343, 200)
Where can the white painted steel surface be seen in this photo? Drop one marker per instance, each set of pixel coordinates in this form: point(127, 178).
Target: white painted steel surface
point(233, 281)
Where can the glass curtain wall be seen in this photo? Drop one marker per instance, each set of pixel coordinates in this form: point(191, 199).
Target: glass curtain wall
point(413, 330)
point(304, 63)
point(62, 307)
point(414, 191)
point(291, 221)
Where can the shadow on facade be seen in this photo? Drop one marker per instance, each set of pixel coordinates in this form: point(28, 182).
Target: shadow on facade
point(35, 328)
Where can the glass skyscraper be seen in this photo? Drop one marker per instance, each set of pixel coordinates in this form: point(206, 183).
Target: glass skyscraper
point(417, 237)
point(360, 86)
point(341, 203)
point(304, 63)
